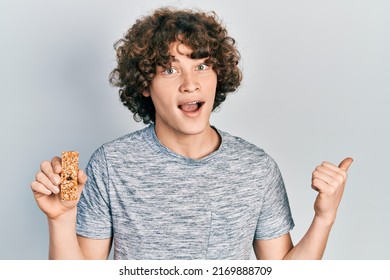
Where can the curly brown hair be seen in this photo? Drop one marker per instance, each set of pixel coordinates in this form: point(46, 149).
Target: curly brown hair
point(146, 46)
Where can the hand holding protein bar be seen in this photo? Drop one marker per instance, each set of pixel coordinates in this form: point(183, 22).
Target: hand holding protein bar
point(58, 185)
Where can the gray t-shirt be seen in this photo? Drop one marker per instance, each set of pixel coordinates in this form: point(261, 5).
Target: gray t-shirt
point(157, 204)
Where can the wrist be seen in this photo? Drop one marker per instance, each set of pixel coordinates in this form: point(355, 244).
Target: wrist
point(325, 220)
point(66, 217)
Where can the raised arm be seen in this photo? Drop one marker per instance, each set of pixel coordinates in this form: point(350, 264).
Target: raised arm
point(329, 181)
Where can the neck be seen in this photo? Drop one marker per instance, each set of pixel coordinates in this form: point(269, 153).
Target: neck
point(195, 146)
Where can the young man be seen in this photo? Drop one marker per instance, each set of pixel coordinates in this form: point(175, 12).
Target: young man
point(180, 188)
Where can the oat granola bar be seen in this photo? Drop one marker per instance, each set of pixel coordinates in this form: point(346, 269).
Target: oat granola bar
point(70, 169)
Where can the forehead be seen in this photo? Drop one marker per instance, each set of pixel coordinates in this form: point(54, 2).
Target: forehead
point(179, 48)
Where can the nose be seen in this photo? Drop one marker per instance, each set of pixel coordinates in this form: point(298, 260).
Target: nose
point(189, 83)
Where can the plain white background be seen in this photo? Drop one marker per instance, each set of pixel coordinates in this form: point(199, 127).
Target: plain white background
point(316, 87)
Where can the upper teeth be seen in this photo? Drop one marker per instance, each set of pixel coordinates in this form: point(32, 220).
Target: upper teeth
point(192, 103)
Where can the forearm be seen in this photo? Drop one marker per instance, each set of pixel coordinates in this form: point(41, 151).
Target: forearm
point(312, 245)
point(63, 239)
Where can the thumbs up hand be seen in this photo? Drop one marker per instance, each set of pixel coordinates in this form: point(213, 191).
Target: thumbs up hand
point(329, 181)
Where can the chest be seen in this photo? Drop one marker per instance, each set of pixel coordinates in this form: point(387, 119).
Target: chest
point(194, 213)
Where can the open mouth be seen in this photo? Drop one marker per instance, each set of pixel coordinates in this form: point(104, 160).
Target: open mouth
point(190, 107)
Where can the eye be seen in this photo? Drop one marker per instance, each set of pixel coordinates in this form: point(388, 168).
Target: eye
point(170, 71)
point(202, 67)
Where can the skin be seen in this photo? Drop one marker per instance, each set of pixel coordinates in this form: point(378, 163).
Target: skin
point(186, 81)
point(190, 135)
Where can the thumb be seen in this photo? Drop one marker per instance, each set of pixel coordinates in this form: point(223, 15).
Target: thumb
point(345, 164)
point(82, 179)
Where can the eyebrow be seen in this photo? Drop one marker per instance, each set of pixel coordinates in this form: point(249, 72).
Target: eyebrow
point(175, 59)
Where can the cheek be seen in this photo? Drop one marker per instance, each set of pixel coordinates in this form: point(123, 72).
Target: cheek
point(158, 93)
point(214, 80)
point(162, 101)
point(158, 101)
point(212, 86)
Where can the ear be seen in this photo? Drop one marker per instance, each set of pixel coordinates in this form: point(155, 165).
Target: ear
point(146, 93)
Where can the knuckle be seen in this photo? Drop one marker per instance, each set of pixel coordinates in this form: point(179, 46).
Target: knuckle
point(32, 185)
point(44, 164)
point(316, 182)
point(35, 185)
point(39, 175)
point(335, 183)
point(331, 191)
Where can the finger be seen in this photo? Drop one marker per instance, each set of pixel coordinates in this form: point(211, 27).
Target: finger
point(318, 185)
point(39, 188)
point(335, 168)
point(56, 163)
point(331, 181)
point(346, 163)
point(42, 179)
point(47, 169)
point(82, 177)
point(330, 172)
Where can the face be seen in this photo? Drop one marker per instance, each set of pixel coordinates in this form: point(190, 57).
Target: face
point(183, 94)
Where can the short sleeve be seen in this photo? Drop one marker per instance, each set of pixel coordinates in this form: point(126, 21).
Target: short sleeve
point(93, 210)
point(275, 217)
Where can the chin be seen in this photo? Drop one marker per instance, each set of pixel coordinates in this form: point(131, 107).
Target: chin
point(195, 129)
point(186, 125)
point(194, 126)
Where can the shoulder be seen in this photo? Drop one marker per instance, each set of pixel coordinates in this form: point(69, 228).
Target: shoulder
point(244, 157)
point(249, 153)
point(124, 145)
point(129, 139)
point(127, 144)
point(249, 156)
point(239, 146)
